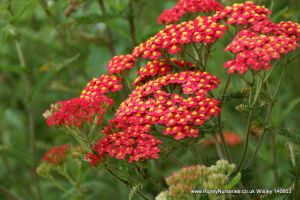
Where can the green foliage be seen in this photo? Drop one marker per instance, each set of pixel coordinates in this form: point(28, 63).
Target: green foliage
point(290, 134)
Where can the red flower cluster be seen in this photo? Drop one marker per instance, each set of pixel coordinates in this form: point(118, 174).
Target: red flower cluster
point(202, 29)
point(242, 13)
point(77, 111)
point(149, 104)
point(231, 138)
point(160, 68)
point(120, 63)
point(183, 7)
point(265, 27)
point(260, 41)
point(290, 28)
point(151, 69)
point(98, 86)
point(256, 51)
point(56, 155)
point(134, 143)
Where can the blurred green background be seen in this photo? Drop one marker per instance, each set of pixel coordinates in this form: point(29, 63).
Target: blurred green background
point(46, 56)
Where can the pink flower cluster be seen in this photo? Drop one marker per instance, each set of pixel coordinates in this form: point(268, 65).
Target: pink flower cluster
point(128, 134)
point(256, 51)
point(98, 86)
point(159, 68)
point(183, 7)
point(173, 37)
point(150, 104)
point(242, 13)
point(120, 63)
point(260, 41)
point(290, 28)
point(151, 69)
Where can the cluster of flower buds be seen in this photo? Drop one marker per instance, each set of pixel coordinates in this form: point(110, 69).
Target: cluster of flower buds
point(183, 7)
point(182, 182)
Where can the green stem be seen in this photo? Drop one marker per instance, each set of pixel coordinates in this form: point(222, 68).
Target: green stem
point(221, 132)
point(269, 114)
point(130, 19)
point(46, 9)
point(8, 194)
point(65, 174)
point(292, 154)
point(178, 161)
point(30, 114)
point(194, 152)
point(58, 185)
point(218, 147)
point(274, 155)
point(247, 140)
point(108, 30)
point(256, 94)
point(199, 56)
point(125, 183)
point(297, 177)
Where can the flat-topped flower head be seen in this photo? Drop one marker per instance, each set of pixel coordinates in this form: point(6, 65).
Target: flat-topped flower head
point(173, 37)
point(159, 68)
point(151, 69)
point(242, 13)
point(184, 7)
point(134, 144)
point(290, 28)
point(78, 111)
point(256, 51)
point(103, 85)
point(120, 63)
point(56, 155)
point(151, 103)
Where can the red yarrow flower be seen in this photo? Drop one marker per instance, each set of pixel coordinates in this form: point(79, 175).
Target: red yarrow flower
point(77, 111)
point(150, 104)
point(184, 7)
point(56, 155)
point(120, 63)
point(103, 85)
point(242, 13)
point(159, 68)
point(134, 144)
point(256, 51)
point(201, 29)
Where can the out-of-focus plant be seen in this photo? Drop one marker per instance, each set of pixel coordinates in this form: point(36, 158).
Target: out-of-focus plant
point(184, 183)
